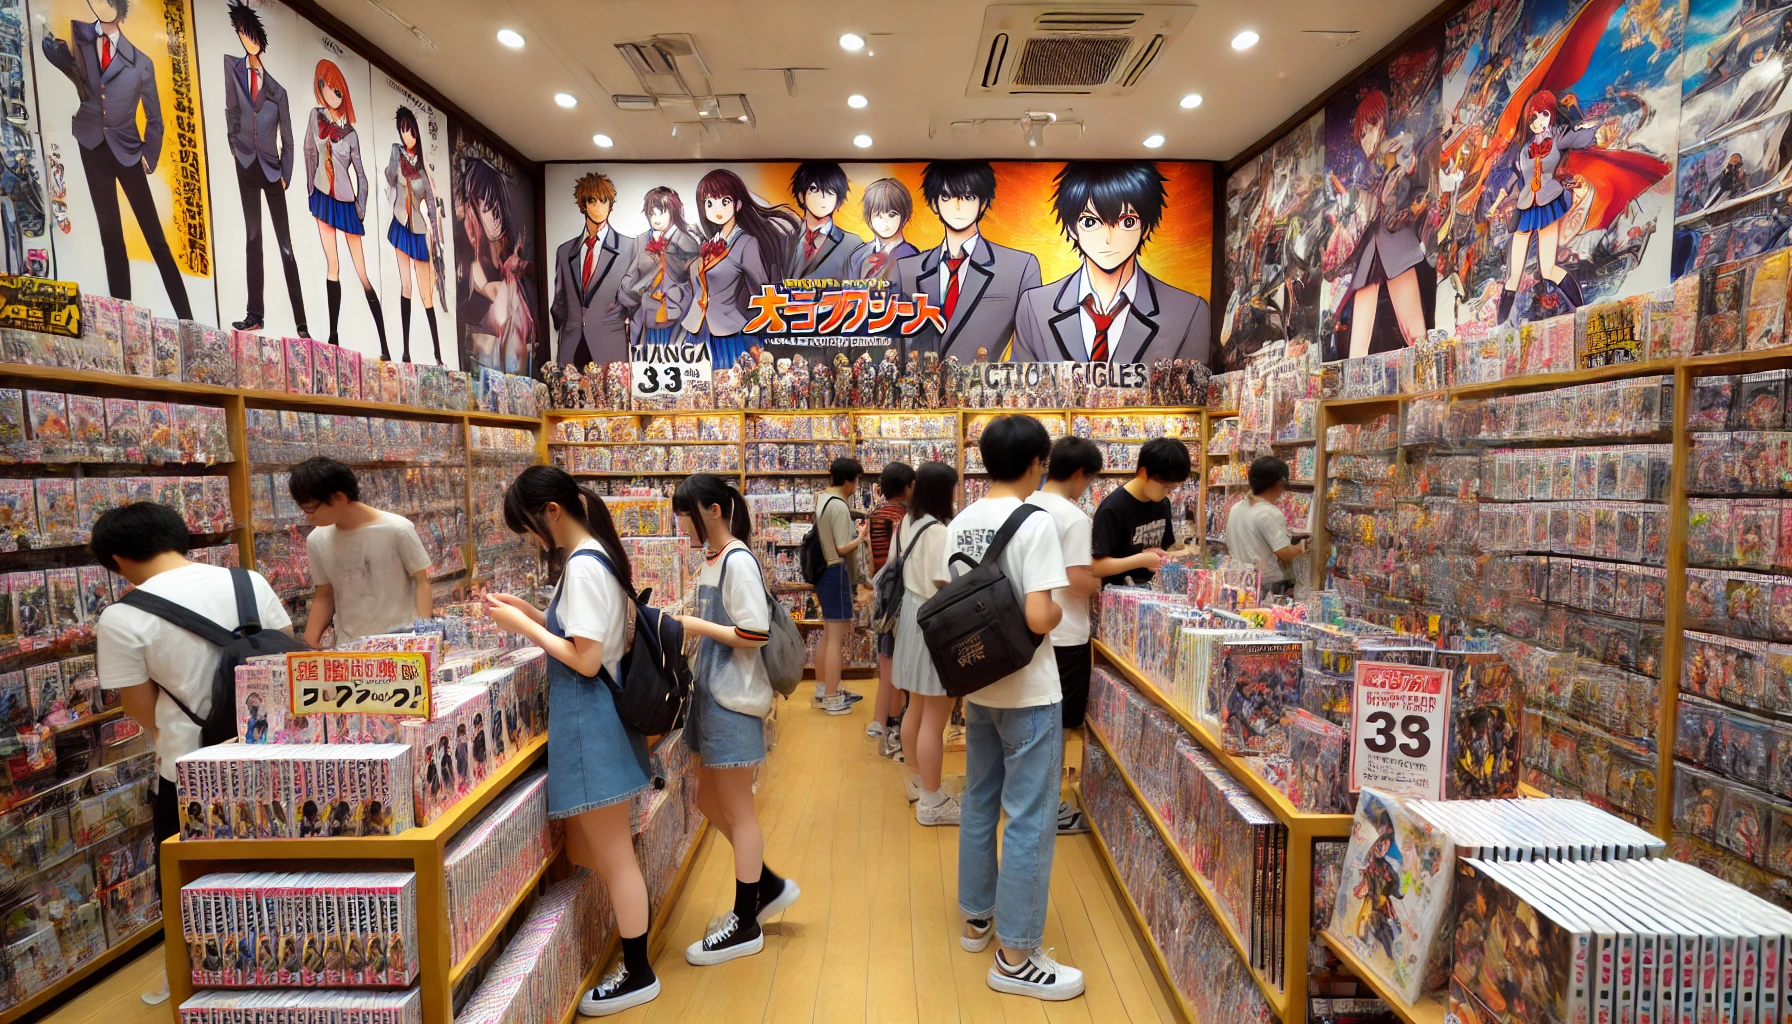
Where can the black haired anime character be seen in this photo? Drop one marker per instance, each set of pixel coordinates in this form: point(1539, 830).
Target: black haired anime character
point(494, 269)
point(975, 283)
point(1110, 309)
point(258, 119)
point(823, 250)
point(746, 245)
point(416, 229)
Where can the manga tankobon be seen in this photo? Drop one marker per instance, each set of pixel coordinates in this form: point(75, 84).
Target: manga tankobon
point(851, 262)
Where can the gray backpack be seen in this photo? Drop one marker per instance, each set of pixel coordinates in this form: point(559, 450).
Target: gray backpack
point(784, 653)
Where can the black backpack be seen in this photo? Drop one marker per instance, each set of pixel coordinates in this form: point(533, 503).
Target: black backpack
point(247, 640)
point(656, 680)
point(811, 559)
point(976, 625)
point(887, 586)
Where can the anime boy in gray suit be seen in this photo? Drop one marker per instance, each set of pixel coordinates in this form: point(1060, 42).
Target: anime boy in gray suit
point(113, 78)
point(823, 250)
point(259, 123)
point(588, 270)
point(975, 283)
point(1110, 309)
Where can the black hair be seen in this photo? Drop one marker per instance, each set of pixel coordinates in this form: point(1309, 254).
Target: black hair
point(139, 531)
point(124, 9)
point(896, 478)
point(819, 174)
point(1266, 472)
point(525, 507)
point(1164, 460)
point(701, 490)
point(243, 19)
point(485, 185)
point(406, 120)
point(1010, 444)
point(958, 179)
point(319, 479)
point(1110, 186)
point(1070, 454)
point(935, 484)
point(843, 469)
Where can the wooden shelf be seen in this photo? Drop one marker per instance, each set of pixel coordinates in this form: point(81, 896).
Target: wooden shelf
point(1428, 1010)
point(79, 975)
point(651, 472)
point(1138, 917)
point(1552, 381)
point(502, 921)
point(1272, 991)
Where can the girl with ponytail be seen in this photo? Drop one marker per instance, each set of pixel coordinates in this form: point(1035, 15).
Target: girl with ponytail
point(724, 726)
point(596, 764)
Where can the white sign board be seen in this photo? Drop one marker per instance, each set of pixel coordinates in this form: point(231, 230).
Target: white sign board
point(1399, 730)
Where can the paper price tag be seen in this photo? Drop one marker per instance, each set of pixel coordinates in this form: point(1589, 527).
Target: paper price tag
point(1399, 730)
point(662, 373)
point(393, 683)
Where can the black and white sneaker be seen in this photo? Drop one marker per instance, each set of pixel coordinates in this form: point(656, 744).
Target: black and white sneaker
point(778, 904)
point(619, 991)
point(977, 933)
point(727, 940)
point(1038, 976)
point(1070, 820)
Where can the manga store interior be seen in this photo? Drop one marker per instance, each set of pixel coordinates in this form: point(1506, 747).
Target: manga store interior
point(1359, 436)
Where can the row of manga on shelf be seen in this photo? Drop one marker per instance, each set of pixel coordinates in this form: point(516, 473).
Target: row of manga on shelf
point(1375, 435)
point(52, 512)
point(626, 428)
point(286, 436)
point(539, 973)
point(502, 442)
point(922, 381)
point(1606, 588)
point(874, 454)
point(56, 427)
point(344, 929)
point(649, 458)
point(1740, 462)
point(497, 852)
point(1302, 462)
point(92, 796)
point(1750, 401)
point(1744, 534)
point(1636, 407)
point(1632, 472)
point(57, 607)
point(1735, 744)
point(1751, 825)
point(302, 1006)
point(1746, 604)
point(1569, 758)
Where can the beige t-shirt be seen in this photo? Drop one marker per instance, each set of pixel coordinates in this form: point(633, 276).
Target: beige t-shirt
point(833, 522)
point(368, 570)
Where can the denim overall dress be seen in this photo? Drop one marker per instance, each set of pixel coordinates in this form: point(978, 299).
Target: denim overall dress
point(593, 759)
point(722, 738)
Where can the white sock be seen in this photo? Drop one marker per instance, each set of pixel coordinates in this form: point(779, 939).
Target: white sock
point(933, 797)
point(914, 779)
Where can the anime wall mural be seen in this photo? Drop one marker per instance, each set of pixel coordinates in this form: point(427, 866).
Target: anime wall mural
point(24, 201)
point(411, 170)
point(1276, 207)
point(495, 269)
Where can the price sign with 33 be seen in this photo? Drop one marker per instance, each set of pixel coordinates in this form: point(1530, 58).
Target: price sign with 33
point(368, 683)
point(665, 373)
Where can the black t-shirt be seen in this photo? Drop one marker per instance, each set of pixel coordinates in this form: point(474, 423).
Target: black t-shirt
point(1125, 526)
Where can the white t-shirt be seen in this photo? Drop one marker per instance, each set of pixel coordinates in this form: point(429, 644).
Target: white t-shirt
point(592, 605)
point(927, 561)
point(1255, 531)
point(749, 691)
point(1074, 528)
point(1034, 561)
point(834, 526)
point(368, 570)
point(137, 647)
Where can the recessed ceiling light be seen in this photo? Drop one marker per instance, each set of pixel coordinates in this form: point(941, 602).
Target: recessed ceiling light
point(1153, 141)
point(857, 102)
point(1244, 40)
point(510, 38)
point(852, 42)
point(862, 141)
point(603, 140)
point(1191, 101)
point(566, 99)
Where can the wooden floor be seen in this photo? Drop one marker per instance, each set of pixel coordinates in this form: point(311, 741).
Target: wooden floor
point(874, 937)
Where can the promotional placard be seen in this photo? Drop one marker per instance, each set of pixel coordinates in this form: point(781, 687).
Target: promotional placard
point(1399, 729)
point(38, 304)
point(659, 374)
point(393, 683)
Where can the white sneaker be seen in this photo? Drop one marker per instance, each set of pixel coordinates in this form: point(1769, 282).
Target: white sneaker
point(820, 691)
point(976, 939)
point(891, 747)
point(836, 705)
point(874, 728)
point(614, 994)
point(912, 788)
point(1038, 976)
point(943, 813)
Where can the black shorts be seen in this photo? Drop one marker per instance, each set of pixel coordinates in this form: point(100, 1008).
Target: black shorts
point(1074, 665)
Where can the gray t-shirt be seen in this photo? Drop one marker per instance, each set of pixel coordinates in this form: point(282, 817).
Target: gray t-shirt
point(1255, 531)
point(833, 522)
point(368, 570)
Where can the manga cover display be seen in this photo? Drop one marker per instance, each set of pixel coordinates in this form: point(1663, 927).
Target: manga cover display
point(1394, 896)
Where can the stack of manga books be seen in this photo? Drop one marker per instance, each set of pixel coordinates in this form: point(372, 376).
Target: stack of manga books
point(537, 977)
point(828, 427)
point(1377, 435)
point(53, 427)
point(506, 442)
point(261, 929)
point(295, 791)
point(662, 458)
point(1536, 829)
point(876, 453)
point(53, 512)
point(302, 1006)
point(284, 437)
point(793, 456)
point(495, 853)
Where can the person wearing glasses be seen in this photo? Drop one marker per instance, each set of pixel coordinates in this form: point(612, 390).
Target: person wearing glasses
point(370, 567)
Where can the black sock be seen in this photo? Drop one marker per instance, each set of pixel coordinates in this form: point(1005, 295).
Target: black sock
point(634, 957)
point(333, 292)
point(404, 325)
point(429, 313)
point(770, 885)
point(746, 903)
point(379, 322)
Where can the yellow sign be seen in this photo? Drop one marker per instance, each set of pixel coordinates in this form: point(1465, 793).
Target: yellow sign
point(40, 304)
point(394, 683)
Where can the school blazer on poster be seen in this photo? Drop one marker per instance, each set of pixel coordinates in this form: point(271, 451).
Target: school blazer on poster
point(833, 254)
point(734, 279)
point(642, 297)
point(260, 129)
point(589, 310)
point(984, 316)
point(108, 110)
point(1162, 322)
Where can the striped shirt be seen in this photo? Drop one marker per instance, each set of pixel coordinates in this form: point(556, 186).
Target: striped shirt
point(884, 521)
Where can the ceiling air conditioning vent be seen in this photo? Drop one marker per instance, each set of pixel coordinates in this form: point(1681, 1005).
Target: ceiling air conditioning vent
point(1071, 50)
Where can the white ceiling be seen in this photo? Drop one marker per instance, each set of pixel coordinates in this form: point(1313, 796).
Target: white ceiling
point(914, 72)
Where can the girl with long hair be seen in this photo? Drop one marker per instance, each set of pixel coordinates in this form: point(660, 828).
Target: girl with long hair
point(725, 724)
point(496, 296)
point(655, 291)
point(921, 539)
point(747, 245)
point(415, 233)
point(596, 764)
point(339, 189)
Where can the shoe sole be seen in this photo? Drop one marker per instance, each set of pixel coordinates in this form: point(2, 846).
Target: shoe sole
point(698, 957)
point(589, 1007)
point(847, 710)
point(971, 945)
point(1002, 983)
point(936, 824)
point(779, 905)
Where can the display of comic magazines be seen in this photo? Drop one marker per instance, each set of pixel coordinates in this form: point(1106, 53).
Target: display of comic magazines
point(302, 1006)
point(496, 852)
point(1393, 906)
point(314, 929)
point(295, 791)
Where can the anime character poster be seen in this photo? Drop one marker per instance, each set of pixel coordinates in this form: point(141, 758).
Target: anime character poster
point(496, 303)
point(1276, 207)
point(1559, 129)
point(1098, 261)
point(290, 121)
point(410, 169)
point(1381, 139)
point(117, 82)
point(24, 201)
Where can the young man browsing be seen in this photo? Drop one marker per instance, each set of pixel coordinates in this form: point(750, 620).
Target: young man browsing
point(1133, 524)
point(1256, 530)
point(370, 567)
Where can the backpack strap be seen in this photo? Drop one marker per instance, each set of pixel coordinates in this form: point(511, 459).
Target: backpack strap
point(628, 621)
point(189, 620)
point(1000, 543)
point(248, 619)
point(818, 530)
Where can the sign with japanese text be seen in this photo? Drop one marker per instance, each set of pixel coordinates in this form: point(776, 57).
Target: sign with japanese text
point(659, 374)
point(393, 683)
point(1399, 729)
point(37, 304)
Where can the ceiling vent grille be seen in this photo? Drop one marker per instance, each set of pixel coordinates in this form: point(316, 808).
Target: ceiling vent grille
point(1071, 50)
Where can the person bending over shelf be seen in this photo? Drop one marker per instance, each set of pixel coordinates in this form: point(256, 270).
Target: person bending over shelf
point(1133, 525)
point(1257, 531)
point(370, 568)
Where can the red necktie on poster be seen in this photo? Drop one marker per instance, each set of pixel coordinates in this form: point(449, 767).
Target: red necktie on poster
point(1098, 349)
point(811, 242)
point(254, 85)
point(590, 251)
point(105, 51)
point(951, 303)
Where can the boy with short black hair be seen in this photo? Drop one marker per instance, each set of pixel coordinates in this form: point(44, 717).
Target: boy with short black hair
point(1075, 464)
point(839, 539)
point(895, 484)
point(1257, 531)
point(1133, 525)
point(1013, 753)
point(370, 567)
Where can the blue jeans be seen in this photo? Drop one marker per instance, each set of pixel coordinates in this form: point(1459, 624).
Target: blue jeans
point(1013, 757)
